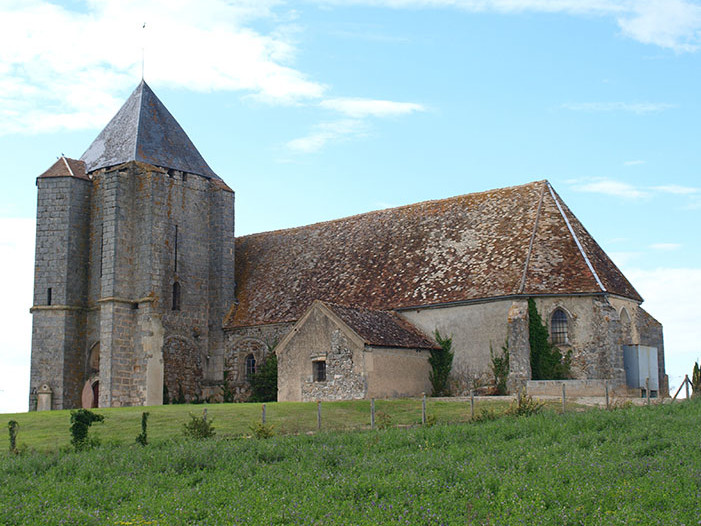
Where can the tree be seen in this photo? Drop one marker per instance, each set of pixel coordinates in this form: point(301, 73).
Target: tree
point(547, 362)
point(264, 381)
point(441, 361)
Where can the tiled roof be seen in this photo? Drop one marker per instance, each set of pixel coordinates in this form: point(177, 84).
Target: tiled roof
point(65, 167)
point(144, 130)
point(382, 328)
point(520, 240)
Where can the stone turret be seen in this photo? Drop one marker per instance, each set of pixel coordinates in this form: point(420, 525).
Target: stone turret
point(60, 282)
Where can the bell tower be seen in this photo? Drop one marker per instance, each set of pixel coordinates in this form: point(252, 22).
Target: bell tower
point(158, 276)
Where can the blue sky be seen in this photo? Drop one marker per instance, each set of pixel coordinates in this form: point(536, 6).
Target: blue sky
point(319, 109)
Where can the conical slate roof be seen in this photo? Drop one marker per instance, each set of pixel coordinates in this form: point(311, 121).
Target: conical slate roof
point(512, 242)
point(144, 130)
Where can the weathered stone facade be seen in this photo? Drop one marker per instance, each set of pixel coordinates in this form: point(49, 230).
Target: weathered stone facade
point(142, 290)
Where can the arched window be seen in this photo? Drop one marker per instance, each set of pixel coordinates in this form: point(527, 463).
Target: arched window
point(558, 327)
point(176, 296)
point(250, 366)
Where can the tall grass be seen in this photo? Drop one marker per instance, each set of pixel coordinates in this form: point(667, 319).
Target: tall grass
point(640, 465)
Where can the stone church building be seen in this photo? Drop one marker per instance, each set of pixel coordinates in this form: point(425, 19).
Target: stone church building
point(143, 294)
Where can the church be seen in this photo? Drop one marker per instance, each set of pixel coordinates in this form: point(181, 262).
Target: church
point(143, 294)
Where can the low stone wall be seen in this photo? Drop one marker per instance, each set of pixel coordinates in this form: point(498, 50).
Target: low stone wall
point(574, 388)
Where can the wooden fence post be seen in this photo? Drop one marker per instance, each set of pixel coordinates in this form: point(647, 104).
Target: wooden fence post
point(563, 398)
point(263, 414)
point(686, 383)
point(204, 414)
point(472, 404)
point(318, 415)
point(423, 410)
point(372, 413)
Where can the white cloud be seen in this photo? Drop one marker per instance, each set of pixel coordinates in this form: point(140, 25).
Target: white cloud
point(16, 282)
point(326, 132)
point(633, 163)
point(360, 108)
point(612, 188)
point(677, 189)
point(64, 69)
point(671, 24)
point(665, 246)
point(639, 108)
point(629, 191)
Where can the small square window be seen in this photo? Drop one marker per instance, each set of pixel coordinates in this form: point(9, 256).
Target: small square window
point(319, 371)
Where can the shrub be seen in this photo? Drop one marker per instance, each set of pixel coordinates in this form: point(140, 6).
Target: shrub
point(441, 361)
point(547, 362)
point(228, 394)
point(264, 381)
point(525, 406)
point(262, 431)
point(383, 420)
point(12, 427)
point(142, 438)
point(696, 379)
point(500, 368)
point(486, 415)
point(199, 427)
point(81, 420)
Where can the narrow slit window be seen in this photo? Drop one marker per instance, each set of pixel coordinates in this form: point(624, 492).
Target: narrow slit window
point(558, 327)
point(175, 250)
point(250, 366)
point(48, 296)
point(319, 371)
point(176, 296)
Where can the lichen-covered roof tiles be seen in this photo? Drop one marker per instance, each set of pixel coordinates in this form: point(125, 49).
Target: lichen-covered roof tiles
point(144, 130)
point(65, 167)
point(520, 240)
point(382, 328)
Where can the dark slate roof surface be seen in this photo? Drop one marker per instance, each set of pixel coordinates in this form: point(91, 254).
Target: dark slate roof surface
point(382, 328)
point(65, 167)
point(144, 130)
point(520, 240)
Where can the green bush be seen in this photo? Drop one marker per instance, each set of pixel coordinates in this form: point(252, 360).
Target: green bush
point(696, 379)
point(547, 362)
point(262, 431)
point(81, 420)
point(142, 438)
point(12, 427)
point(264, 381)
point(525, 406)
point(500, 368)
point(441, 361)
point(199, 427)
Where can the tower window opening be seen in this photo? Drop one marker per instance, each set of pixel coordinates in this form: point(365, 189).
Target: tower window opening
point(48, 296)
point(176, 296)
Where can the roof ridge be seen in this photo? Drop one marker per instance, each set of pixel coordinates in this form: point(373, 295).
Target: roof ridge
point(392, 208)
point(576, 239)
point(524, 276)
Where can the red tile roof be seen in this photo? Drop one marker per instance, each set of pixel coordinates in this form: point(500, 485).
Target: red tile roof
point(520, 240)
point(65, 167)
point(382, 328)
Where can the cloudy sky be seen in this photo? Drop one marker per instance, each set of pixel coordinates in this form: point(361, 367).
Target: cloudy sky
point(318, 109)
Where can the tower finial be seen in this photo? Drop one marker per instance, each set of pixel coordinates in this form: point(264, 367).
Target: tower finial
point(143, 51)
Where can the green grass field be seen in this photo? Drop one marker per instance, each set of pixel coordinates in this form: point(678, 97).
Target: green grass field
point(49, 430)
point(640, 465)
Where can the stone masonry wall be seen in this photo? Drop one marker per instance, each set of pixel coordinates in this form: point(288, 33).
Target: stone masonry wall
point(58, 333)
